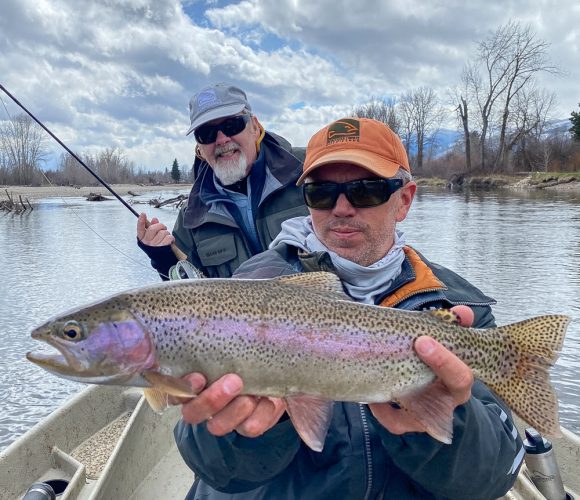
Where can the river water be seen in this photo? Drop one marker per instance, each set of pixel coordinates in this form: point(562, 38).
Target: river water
point(523, 248)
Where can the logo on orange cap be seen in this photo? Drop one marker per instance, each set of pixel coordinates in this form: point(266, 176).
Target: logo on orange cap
point(346, 129)
point(364, 142)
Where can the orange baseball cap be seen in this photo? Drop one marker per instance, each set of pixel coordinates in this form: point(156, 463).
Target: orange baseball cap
point(364, 142)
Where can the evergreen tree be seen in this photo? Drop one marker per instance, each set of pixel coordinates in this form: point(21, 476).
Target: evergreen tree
point(575, 119)
point(175, 172)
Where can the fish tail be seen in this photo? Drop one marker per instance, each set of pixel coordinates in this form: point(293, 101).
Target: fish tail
point(524, 381)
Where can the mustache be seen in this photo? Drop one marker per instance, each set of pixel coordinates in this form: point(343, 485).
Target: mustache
point(345, 224)
point(226, 148)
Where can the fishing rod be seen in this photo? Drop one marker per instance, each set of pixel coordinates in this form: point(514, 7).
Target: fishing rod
point(92, 172)
point(176, 250)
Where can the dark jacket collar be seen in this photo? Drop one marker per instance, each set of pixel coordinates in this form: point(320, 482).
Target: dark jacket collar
point(277, 158)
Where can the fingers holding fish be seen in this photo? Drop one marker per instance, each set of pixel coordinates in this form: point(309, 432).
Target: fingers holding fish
point(430, 409)
point(197, 382)
point(267, 413)
point(453, 373)
point(396, 420)
point(213, 400)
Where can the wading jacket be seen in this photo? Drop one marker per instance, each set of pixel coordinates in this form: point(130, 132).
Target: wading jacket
point(361, 459)
point(208, 233)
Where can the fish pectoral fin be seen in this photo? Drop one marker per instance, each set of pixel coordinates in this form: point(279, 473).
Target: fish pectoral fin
point(311, 418)
point(433, 407)
point(446, 315)
point(169, 384)
point(156, 398)
point(322, 282)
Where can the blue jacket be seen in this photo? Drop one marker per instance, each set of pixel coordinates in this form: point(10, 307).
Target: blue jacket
point(361, 459)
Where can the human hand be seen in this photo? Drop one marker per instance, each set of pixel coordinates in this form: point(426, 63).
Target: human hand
point(153, 233)
point(221, 405)
point(453, 383)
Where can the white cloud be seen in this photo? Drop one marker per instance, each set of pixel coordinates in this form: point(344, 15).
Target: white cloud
point(120, 72)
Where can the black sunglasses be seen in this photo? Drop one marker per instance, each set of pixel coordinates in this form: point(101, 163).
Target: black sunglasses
point(363, 193)
point(207, 134)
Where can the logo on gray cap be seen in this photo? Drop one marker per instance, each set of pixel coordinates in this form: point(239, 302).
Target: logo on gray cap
point(207, 98)
point(216, 101)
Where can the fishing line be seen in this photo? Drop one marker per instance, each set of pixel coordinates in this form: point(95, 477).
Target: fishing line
point(71, 207)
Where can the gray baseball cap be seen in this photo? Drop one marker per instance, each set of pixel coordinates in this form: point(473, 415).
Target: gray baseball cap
point(216, 101)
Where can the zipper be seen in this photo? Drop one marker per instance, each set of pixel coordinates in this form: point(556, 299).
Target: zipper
point(417, 292)
point(427, 290)
point(367, 440)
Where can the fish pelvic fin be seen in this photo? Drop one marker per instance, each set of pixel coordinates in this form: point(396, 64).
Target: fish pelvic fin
point(156, 398)
point(311, 418)
point(432, 406)
point(526, 388)
point(163, 385)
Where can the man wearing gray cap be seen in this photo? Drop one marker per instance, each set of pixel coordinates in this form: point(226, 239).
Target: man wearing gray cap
point(244, 188)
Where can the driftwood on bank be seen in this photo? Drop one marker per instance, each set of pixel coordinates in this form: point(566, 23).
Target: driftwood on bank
point(158, 203)
point(18, 207)
point(96, 197)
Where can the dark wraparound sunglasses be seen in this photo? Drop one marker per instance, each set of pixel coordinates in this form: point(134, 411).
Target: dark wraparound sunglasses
point(364, 193)
point(207, 134)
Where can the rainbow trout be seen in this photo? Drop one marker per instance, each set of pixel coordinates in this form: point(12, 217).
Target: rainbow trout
point(300, 338)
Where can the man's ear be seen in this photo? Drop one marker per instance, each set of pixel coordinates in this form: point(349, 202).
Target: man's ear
point(259, 133)
point(406, 195)
point(198, 152)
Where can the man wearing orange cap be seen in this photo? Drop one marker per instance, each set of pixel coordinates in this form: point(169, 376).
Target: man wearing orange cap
point(357, 184)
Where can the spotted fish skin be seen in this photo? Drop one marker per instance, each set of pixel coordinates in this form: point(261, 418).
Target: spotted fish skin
point(299, 335)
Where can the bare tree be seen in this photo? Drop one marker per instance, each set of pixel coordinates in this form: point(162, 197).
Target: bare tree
point(23, 148)
point(421, 108)
point(382, 110)
point(526, 57)
point(511, 58)
point(406, 117)
point(461, 97)
point(109, 164)
point(527, 125)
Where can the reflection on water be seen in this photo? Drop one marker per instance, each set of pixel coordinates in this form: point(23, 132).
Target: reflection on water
point(521, 248)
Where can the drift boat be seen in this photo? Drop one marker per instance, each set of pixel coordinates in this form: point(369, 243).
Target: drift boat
point(106, 443)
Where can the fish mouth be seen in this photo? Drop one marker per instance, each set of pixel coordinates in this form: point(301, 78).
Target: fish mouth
point(65, 363)
point(50, 362)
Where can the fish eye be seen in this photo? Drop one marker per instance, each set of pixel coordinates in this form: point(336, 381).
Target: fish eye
point(72, 330)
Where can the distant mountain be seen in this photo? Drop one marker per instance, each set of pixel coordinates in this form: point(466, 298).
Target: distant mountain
point(445, 139)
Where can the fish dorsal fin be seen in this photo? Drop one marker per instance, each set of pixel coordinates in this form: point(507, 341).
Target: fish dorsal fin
point(311, 418)
point(162, 386)
point(446, 315)
point(322, 282)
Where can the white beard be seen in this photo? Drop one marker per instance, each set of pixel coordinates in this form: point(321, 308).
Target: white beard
point(229, 171)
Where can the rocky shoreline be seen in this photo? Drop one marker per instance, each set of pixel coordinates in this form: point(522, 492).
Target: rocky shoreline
point(568, 183)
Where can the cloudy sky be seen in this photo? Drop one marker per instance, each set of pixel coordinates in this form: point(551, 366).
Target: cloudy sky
point(119, 73)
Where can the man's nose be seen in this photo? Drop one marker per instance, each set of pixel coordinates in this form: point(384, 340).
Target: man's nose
point(343, 208)
point(221, 138)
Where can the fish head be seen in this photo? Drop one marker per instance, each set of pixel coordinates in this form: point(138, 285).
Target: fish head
point(99, 344)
